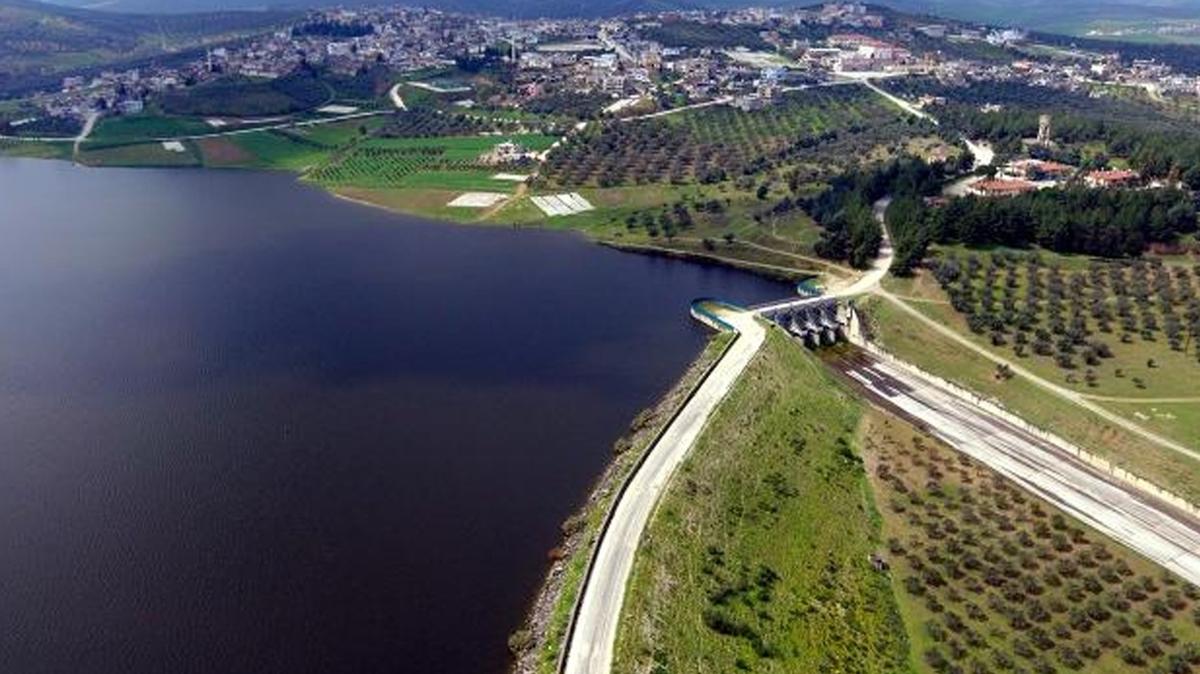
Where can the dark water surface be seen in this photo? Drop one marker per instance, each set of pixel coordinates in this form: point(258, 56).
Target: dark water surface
point(248, 428)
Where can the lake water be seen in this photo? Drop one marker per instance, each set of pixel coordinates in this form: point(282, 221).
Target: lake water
point(247, 427)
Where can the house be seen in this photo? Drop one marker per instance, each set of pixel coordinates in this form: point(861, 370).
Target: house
point(505, 153)
point(1037, 169)
point(1111, 179)
point(131, 106)
point(1002, 188)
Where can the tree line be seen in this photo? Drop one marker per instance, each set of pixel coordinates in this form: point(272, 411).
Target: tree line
point(845, 210)
point(1103, 223)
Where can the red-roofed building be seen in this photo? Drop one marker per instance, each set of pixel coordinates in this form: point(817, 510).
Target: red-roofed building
point(1037, 169)
point(1109, 179)
point(854, 41)
point(1002, 188)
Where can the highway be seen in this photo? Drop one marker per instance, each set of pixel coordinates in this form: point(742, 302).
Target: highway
point(1155, 529)
point(594, 633)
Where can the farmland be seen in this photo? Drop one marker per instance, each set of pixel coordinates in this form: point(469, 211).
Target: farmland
point(1122, 333)
point(144, 154)
point(919, 344)
point(1120, 328)
point(146, 127)
point(722, 143)
point(413, 162)
point(991, 579)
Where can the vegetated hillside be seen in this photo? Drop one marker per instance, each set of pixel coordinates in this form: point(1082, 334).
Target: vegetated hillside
point(517, 8)
point(39, 39)
point(1071, 16)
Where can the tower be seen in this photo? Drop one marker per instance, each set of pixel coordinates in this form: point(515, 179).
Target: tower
point(1043, 137)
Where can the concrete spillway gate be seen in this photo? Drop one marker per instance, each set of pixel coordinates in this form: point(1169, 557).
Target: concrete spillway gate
point(818, 323)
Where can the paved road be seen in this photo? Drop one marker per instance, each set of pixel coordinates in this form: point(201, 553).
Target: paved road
point(724, 100)
point(1155, 529)
point(88, 125)
point(590, 649)
point(903, 104)
point(394, 94)
point(215, 134)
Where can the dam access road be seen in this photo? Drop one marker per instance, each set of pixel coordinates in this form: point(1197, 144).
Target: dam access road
point(592, 634)
point(1156, 529)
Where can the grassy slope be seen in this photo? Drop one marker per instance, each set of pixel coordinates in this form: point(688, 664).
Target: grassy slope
point(757, 555)
point(928, 350)
point(144, 127)
point(922, 485)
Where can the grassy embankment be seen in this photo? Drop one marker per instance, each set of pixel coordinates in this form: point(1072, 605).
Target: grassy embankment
point(922, 346)
point(990, 579)
point(537, 644)
point(757, 557)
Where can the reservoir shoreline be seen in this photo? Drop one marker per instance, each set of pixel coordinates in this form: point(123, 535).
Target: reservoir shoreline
point(235, 403)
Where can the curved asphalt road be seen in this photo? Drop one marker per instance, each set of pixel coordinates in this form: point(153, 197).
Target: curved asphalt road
point(590, 650)
point(594, 632)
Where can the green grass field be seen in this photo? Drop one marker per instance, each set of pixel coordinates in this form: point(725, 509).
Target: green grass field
point(277, 150)
point(146, 154)
point(757, 557)
point(991, 579)
point(35, 150)
point(146, 127)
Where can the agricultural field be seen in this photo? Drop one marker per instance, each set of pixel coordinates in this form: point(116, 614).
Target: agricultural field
point(916, 342)
point(429, 123)
point(990, 579)
point(1115, 328)
point(279, 149)
point(145, 154)
point(712, 145)
point(123, 129)
point(452, 163)
point(712, 221)
point(1125, 334)
point(337, 134)
point(757, 557)
point(35, 150)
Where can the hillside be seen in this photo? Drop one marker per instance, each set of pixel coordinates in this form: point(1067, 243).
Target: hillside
point(1067, 16)
point(1072, 17)
point(39, 40)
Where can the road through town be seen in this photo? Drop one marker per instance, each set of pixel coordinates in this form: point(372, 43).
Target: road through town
point(1155, 529)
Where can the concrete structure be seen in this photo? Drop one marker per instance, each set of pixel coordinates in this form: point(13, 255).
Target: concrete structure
point(1044, 130)
point(819, 321)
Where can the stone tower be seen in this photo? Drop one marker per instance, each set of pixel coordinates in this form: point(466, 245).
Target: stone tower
point(1043, 137)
